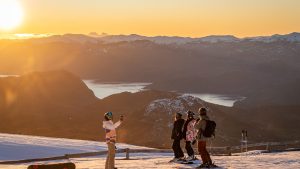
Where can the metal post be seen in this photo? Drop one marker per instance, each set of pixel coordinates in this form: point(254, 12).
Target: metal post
point(268, 147)
point(228, 149)
point(244, 141)
point(127, 153)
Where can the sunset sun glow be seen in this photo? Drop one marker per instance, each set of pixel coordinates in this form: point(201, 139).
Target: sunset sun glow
point(11, 14)
point(191, 18)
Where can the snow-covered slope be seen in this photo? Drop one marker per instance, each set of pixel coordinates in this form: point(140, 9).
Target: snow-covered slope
point(18, 146)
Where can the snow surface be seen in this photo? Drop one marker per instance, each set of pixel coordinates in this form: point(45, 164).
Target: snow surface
point(28, 145)
point(17, 147)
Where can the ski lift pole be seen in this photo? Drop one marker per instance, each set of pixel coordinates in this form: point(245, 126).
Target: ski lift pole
point(244, 141)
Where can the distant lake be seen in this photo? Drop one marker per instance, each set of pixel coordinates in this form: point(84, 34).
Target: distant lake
point(102, 90)
point(224, 100)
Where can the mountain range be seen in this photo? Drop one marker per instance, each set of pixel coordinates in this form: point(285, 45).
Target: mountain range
point(239, 67)
point(59, 104)
point(94, 38)
point(264, 70)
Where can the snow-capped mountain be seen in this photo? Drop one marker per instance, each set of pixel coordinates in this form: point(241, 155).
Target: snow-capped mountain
point(155, 39)
point(170, 39)
point(67, 38)
point(163, 111)
point(221, 38)
point(94, 38)
point(120, 38)
point(292, 37)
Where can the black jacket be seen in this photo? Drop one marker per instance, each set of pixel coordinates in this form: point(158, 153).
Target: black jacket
point(177, 129)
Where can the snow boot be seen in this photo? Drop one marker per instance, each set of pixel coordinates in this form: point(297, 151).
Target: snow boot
point(204, 165)
point(213, 166)
point(190, 158)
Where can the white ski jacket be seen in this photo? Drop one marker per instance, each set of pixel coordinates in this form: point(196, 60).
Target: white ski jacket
point(110, 130)
point(200, 127)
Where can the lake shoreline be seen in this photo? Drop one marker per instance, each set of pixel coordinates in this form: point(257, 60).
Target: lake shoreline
point(106, 89)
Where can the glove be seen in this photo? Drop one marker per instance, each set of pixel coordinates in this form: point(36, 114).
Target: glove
point(121, 118)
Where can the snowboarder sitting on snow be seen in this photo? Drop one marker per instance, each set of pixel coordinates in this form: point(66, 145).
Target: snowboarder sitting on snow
point(189, 134)
point(110, 130)
point(177, 136)
point(205, 129)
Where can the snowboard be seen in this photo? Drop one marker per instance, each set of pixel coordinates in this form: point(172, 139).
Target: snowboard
point(187, 162)
point(182, 162)
point(53, 166)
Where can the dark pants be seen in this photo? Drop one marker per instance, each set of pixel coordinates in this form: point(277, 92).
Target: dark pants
point(178, 153)
point(189, 148)
point(203, 152)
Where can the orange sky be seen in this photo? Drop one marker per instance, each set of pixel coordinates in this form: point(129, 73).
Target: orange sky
point(192, 18)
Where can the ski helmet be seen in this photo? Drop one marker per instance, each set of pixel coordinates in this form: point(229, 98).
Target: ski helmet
point(108, 115)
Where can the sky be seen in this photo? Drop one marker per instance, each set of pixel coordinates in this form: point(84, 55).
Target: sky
point(192, 18)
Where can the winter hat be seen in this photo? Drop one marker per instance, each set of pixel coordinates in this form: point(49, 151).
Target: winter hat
point(179, 114)
point(203, 111)
point(108, 115)
point(190, 113)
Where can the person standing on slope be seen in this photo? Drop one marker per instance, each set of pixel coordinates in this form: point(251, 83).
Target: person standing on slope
point(201, 126)
point(110, 136)
point(189, 134)
point(177, 136)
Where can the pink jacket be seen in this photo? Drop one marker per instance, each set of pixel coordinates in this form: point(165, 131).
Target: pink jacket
point(110, 130)
point(191, 132)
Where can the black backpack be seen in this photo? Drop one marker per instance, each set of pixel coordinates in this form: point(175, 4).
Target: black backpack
point(209, 129)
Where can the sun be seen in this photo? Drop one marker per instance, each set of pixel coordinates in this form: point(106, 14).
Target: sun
point(11, 14)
